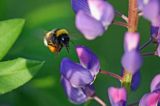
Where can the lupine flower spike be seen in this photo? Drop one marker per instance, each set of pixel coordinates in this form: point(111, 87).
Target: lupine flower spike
point(93, 17)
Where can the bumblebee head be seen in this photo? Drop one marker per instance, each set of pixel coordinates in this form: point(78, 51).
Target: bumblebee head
point(64, 39)
point(61, 36)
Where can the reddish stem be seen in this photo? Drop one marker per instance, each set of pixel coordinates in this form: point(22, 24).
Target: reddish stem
point(132, 16)
point(148, 54)
point(120, 24)
point(100, 101)
point(111, 74)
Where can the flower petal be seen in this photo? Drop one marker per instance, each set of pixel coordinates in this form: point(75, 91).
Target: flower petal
point(75, 95)
point(89, 90)
point(135, 80)
point(117, 96)
point(154, 31)
point(155, 84)
point(88, 26)
point(88, 59)
point(102, 11)
point(75, 73)
point(158, 50)
point(151, 11)
point(131, 61)
point(78, 5)
point(131, 41)
point(150, 99)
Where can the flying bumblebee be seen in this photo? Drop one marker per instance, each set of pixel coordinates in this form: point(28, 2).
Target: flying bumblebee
point(56, 39)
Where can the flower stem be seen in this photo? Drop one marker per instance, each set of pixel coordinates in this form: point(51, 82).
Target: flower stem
point(145, 44)
point(100, 101)
point(125, 18)
point(111, 74)
point(148, 54)
point(120, 23)
point(132, 16)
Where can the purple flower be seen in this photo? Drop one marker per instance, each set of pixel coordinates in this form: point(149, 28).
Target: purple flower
point(92, 17)
point(117, 96)
point(155, 35)
point(136, 79)
point(77, 79)
point(150, 10)
point(158, 50)
point(155, 84)
point(152, 98)
point(155, 31)
point(131, 60)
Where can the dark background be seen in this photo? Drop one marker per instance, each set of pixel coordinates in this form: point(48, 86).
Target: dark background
point(45, 89)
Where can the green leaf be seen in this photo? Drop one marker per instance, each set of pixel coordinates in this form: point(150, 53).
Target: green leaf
point(9, 32)
point(15, 73)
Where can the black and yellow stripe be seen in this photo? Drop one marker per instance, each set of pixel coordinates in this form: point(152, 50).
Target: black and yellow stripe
point(59, 32)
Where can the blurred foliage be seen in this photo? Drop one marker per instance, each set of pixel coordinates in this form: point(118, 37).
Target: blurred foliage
point(9, 32)
point(45, 89)
point(14, 73)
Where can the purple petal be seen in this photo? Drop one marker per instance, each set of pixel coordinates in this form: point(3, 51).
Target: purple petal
point(89, 90)
point(102, 11)
point(141, 4)
point(158, 50)
point(117, 96)
point(88, 26)
point(131, 41)
point(150, 99)
point(151, 11)
point(155, 84)
point(88, 59)
point(75, 95)
point(78, 5)
point(131, 61)
point(75, 73)
point(154, 31)
point(135, 80)
point(158, 37)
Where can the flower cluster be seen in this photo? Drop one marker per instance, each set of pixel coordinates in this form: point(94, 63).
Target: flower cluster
point(118, 96)
point(93, 17)
point(131, 60)
point(78, 79)
point(152, 98)
point(151, 11)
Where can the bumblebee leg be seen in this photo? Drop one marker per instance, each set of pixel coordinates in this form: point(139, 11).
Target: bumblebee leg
point(67, 48)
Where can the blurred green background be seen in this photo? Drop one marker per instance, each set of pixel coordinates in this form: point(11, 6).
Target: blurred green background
point(45, 89)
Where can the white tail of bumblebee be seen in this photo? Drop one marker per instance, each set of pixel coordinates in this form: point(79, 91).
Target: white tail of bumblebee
point(45, 41)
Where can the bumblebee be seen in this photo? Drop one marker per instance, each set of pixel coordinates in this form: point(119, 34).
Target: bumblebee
point(56, 39)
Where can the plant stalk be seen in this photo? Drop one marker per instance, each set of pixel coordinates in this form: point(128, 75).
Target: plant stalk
point(132, 16)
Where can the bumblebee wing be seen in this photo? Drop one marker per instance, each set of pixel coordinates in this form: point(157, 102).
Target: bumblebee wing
point(76, 36)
